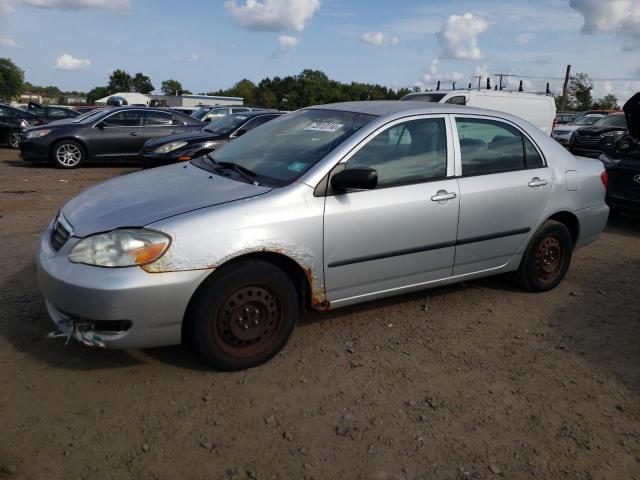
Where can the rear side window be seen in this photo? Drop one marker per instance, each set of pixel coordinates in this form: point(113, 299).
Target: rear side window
point(457, 100)
point(489, 146)
point(410, 152)
point(157, 119)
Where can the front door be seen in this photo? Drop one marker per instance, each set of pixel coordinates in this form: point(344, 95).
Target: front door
point(504, 188)
point(117, 136)
point(158, 124)
point(403, 232)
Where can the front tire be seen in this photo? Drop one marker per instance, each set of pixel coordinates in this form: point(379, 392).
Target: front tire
point(243, 315)
point(546, 259)
point(68, 154)
point(14, 139)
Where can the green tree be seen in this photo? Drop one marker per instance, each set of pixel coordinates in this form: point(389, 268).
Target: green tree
point(97, 93)
point(609, 102)
point(171, 87)
point(141, 83)
point(119, 81)
point(11, 78)
point(579, 92)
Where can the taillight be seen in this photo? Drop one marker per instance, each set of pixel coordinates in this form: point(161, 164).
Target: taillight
point(555, 122)
point(604, 176)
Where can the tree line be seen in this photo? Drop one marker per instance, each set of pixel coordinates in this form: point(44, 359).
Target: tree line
point(580, 97)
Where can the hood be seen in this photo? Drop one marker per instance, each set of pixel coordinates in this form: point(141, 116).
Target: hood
point(632, 114)
point(141, 198)
point(191, 137)
point(598, 130)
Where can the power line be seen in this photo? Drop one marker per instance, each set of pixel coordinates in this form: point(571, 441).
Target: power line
point(629, 79)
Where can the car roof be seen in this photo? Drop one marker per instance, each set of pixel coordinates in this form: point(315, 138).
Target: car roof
point(256, 113)
point(386, 107)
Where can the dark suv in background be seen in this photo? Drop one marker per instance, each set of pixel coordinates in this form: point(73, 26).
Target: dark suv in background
point(12, 122)
point(602, 137)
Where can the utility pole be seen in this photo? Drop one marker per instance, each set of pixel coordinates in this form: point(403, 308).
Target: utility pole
point(564, 88)
point(505, 75)
point(479, 77)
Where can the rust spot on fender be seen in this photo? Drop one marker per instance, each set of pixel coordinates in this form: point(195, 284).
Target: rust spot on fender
point(318, 297)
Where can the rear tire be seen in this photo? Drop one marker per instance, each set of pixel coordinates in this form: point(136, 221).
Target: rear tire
point(68, 154)
point(546, 259)
point(243, 315)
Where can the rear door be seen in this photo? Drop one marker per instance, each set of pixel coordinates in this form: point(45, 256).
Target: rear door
point(117, 135)
point(504, 187)
point(403, 232)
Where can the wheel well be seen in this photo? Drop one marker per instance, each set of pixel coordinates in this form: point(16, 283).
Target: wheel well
point(570, 221)
point(293, 270)
point(75, 140)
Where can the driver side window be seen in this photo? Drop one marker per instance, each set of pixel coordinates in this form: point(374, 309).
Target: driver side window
point(409, 152)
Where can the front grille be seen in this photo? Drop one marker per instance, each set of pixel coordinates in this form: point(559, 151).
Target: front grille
point(59, 236)
point(587, 140)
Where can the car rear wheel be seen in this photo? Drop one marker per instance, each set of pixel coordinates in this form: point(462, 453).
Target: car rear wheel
point(243, 315)
point(68, 154)
point(547, 258)
point(14, 139)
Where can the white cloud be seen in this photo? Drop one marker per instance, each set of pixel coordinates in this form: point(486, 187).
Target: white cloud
point(459, 36)
point(431, 75)
point(286, 43)
point(191, 57)
point(618, 17)
point(373, 38)
point(273, 15)
point(6, 8)
point(8, 42)
point(393, 41)
point(68, 62)
point(122, 6)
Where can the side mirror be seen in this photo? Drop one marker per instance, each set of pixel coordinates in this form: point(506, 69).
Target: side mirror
point(240, 132)
point(360, 178)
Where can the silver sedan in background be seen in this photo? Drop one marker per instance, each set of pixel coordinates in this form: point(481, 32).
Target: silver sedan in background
point(324, 207)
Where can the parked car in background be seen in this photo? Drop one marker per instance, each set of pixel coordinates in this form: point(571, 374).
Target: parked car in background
point(601, 137)
point(185, 110)
point(12, 122)
point(623, 165)
point(567, 117)
point(322, 208)
point(116, 133)
point(539, 110)
point(562, 133)
point(188, 145)
point(209, 113)
point(50, 114)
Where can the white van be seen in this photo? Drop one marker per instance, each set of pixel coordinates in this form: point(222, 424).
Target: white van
point(540, 110)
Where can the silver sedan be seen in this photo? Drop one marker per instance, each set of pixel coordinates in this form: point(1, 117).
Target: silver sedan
point(324, 207)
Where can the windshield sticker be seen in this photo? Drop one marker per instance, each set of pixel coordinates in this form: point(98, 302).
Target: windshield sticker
point(297, 166)
point(324, 127)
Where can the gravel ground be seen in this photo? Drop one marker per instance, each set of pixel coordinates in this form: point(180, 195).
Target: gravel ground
point(478, 380)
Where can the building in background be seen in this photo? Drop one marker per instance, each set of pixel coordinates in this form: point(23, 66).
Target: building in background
point(75, 99)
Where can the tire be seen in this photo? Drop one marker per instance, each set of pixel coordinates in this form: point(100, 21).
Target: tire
point(243, 315)
point(68, 154)
point(546, 259)
point(14, 139)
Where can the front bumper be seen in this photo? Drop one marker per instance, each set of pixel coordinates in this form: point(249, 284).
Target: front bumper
point(34, 150)
point(80, 298)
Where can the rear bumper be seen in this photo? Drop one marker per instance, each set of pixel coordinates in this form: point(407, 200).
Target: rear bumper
point(592, 221)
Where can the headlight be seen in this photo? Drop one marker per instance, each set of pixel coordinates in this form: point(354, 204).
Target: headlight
point(120, 248)
point(170, 147)
point(36, 134)
point(613, 134)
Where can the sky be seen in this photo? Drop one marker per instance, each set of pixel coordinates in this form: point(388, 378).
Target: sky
point(209, 45)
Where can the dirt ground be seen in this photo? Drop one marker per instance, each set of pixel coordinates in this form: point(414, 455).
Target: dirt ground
point(476, 381)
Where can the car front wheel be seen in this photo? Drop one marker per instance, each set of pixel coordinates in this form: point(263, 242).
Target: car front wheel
point(68, 154)
point(547, 258)
point(243, 315)
point(14, 139)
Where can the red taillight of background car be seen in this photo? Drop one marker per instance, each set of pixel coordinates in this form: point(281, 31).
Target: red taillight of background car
point(604, 176)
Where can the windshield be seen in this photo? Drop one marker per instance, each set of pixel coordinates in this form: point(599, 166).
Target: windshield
point(424, 97)
point(201, 112)
point(612, 121)
point(224, 125)
point(586, 120)
point(283, 149)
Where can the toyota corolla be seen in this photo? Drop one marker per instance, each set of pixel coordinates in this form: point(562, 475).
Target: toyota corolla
point(325, 207)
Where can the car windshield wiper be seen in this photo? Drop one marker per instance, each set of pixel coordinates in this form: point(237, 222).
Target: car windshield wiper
point(244, 172)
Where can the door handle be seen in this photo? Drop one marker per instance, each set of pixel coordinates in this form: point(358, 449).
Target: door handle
point(537, 182)
point(134, 134)
point(443, 196)
point(173, 131)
